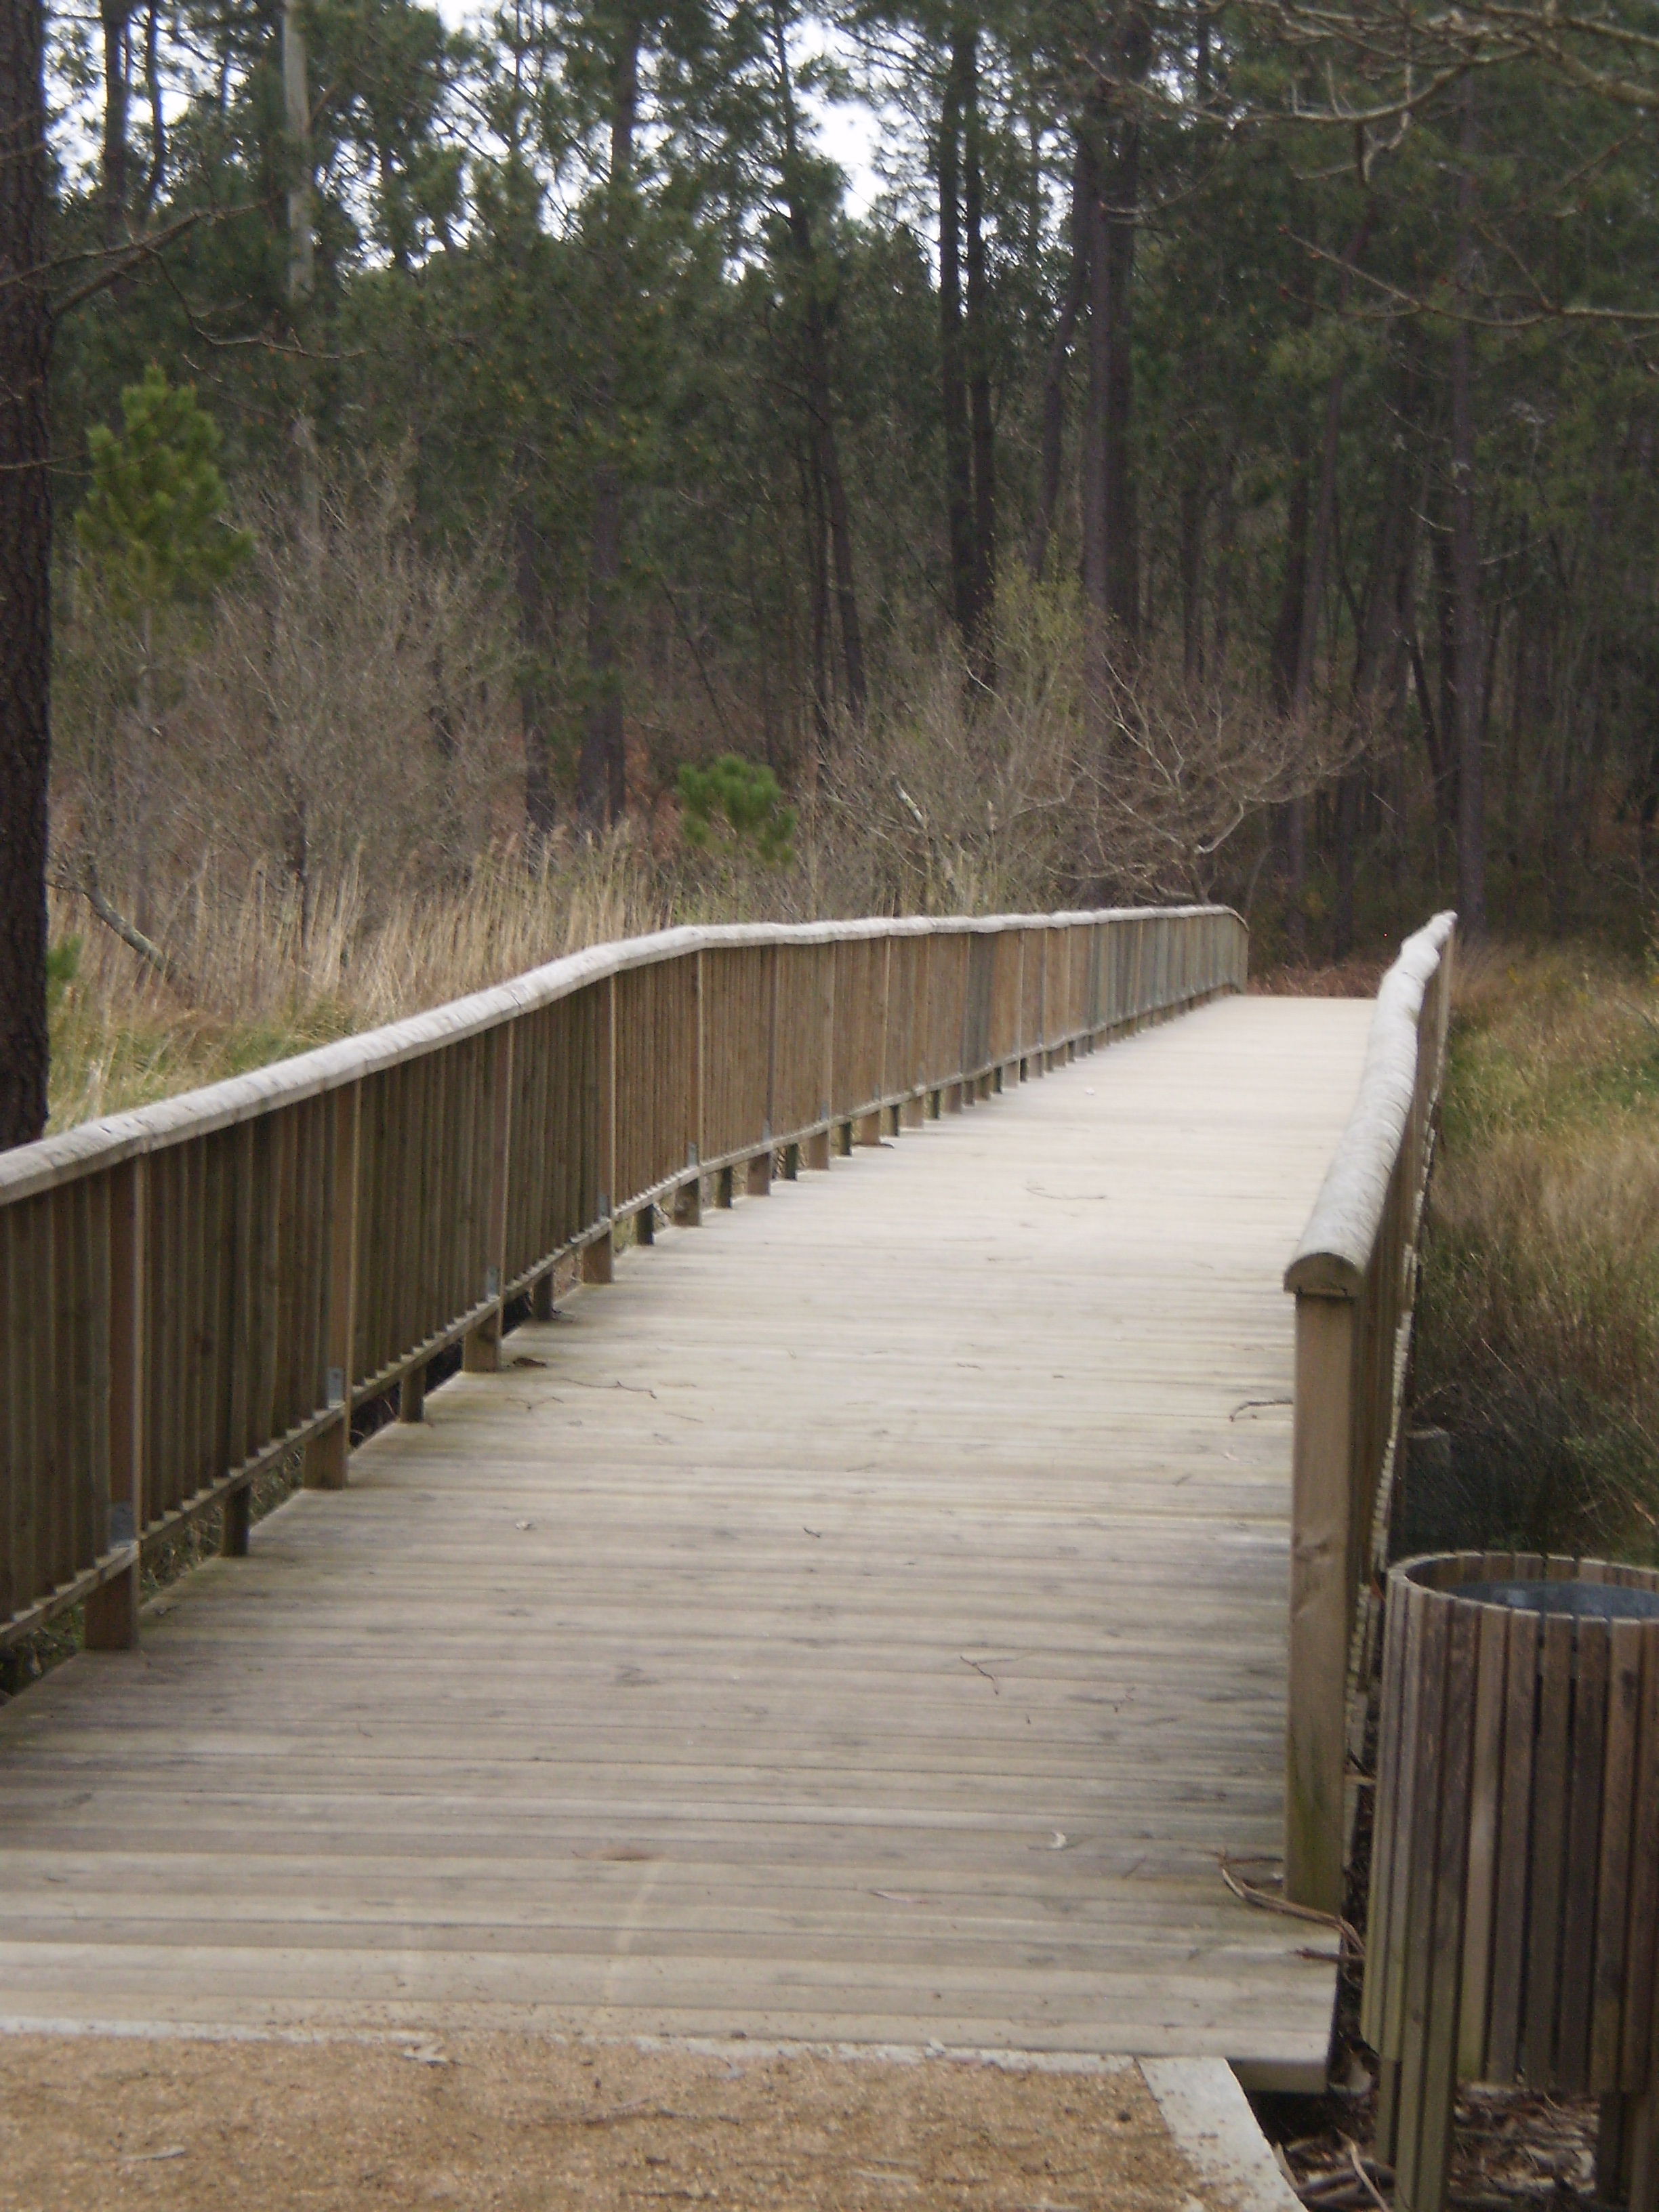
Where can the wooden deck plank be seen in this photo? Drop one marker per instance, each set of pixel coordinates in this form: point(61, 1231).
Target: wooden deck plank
point(878, 1535)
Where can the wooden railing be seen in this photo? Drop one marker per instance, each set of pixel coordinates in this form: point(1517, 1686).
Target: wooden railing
point(1355, 1277)
point(193, 1292)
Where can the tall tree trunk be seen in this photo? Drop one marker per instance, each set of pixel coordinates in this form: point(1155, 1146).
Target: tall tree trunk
point(155, 176)
point(953, 384)
point(1291, 824)
point(1122, 560)
point(1324, 536)
point(820, 398)
point(1378, 636)
point(1466, 554)
point(25, 572)
point(1286, 642)
point(1448, 766)
point(602, 767)
point(817, 585)
point(1315, 574)
point(535, 710)
point(1195, 498)
point(1053, 379)
point(1096, 504)
point(117, 19)
point(1315, 568)
point(1377, 649)
point(981, 420)
point(1222, 564)
point(301, 260)
point(1111, 146)
point(1316, 571)
point(840, 542)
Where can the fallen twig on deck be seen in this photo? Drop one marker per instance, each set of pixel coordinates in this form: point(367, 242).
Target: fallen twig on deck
point(1247, 1894)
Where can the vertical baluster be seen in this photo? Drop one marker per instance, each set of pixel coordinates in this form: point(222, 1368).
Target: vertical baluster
point(239, 1378)
point(480, 1351)
point(327, 1453)
point(599, 1258)
point(112, 1611)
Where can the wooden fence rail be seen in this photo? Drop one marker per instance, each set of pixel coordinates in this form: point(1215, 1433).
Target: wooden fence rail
point(192, 1292)
point(1354, 1276)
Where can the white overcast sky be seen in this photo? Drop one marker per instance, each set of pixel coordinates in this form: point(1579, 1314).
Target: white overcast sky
point(848, 132)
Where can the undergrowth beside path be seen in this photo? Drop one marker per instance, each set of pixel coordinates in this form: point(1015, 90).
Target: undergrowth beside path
point(257, 979)
point(1538, 1331)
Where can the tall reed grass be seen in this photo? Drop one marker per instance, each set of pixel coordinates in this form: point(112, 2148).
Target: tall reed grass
point(1538, 1338)
point(259, 967)
point(261, 972)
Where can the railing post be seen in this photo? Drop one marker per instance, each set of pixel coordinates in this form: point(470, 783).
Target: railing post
point(112, 1610)
point(1019, 1011)
point(884, 1082)
point(1322, 1483)
point(235, 1514)
point(757, 1180)
point(1038, 1052)
point(687, 1210)
point(327, 1452)
point(481, 1348)
point(815, 1153)
point(699, 1067)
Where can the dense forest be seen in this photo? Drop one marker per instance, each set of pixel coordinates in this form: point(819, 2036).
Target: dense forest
point(1214, 453)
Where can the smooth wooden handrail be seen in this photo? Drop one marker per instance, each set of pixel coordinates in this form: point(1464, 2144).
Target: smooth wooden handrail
point(1354, 1278)
point(191, 1292)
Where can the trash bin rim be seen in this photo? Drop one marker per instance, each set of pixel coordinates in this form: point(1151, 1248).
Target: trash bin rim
point(1448, 1575)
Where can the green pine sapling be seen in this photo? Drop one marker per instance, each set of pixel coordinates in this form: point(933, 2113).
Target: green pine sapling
point(743, 796)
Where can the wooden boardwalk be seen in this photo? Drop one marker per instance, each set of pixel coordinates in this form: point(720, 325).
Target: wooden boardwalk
point(864, 1621)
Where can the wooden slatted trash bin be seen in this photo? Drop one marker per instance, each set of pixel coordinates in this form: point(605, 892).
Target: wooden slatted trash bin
point(1515, 1857)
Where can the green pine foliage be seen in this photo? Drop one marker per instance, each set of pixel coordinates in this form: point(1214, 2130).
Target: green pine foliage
point(63, 966)
point(741, 800)
point(153, 522)
point(527, 344)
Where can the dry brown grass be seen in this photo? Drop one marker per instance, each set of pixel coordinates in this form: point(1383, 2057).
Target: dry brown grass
point(257, 985)
point(309, 795)
point(1539, 1338)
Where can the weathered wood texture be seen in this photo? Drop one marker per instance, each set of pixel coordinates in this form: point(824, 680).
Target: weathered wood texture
point(1354, 1276)
point(1512, 1933)
point(868, 1622)
point(312, 1234)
